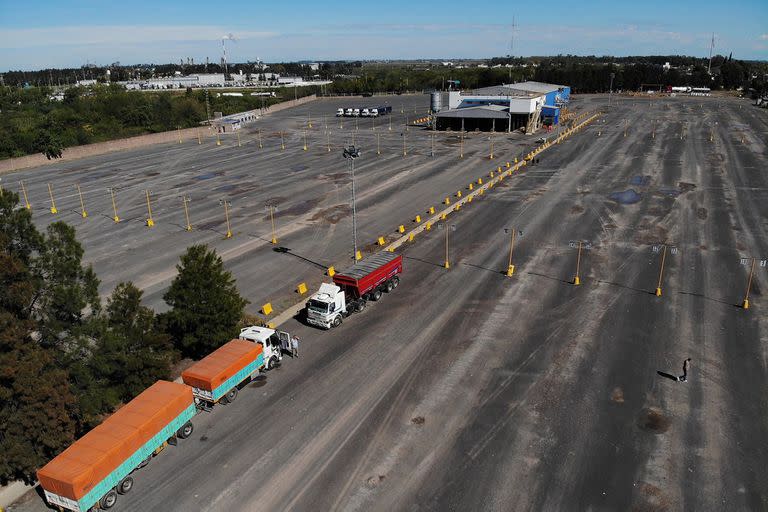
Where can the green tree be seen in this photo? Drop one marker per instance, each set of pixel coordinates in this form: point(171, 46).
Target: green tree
point(48, 144)
point(36, 405)
point(205, 304)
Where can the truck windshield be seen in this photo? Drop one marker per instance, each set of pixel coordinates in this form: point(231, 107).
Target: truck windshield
point(316, 305)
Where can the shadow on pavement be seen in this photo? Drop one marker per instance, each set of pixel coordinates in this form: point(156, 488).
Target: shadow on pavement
point(286, 250)
point(423, 261)
point(702, 296)
point(496, 271)
point(550, 277)
point(639, 290)
point(667, 375)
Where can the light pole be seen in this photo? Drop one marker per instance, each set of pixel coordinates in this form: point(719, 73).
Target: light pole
point(610, 89)
point(351, 153)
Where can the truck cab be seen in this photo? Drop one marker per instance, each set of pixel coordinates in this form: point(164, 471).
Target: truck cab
point(365, 112)
point(348, 112)
point(339, 112)
point(356, 112)
point(373, 112)
point(327, 307)
point(272, 342)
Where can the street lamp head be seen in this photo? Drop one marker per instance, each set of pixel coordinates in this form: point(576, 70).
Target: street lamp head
point(351, 152)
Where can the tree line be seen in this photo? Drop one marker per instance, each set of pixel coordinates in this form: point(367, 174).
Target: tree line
point(34, 121)
point(67, 359)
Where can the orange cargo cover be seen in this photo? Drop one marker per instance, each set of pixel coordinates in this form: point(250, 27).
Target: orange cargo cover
point(221, 364)
point(76, 470)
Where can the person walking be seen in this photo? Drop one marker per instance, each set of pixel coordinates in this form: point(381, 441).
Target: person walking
point(295, 347)
point(686, 365)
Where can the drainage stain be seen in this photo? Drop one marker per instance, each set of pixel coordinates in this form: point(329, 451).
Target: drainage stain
point(653, 420)
point(626, 197)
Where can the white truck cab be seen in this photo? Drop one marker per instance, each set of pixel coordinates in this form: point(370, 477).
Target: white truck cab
point(373, 112)
point(365, 112)
point(356, 112)
point(339, 112)
point(327, 307)
point(272, 342)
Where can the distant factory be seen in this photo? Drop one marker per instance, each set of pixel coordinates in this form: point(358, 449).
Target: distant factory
point(522, 106)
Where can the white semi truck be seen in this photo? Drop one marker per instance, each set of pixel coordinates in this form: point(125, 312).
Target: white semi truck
point(272, 342)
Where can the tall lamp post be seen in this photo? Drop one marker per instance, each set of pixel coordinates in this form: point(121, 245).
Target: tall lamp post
point(351, 153)
point(610, 88)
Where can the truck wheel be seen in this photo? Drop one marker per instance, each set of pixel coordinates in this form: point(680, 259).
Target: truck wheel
point(125, 485)
point(185, 431)
point(376, 294)
point(389, 286)
point(361, 305)
point(395, 281)
point(231, 395)
point(336, 322)
point(108, 500)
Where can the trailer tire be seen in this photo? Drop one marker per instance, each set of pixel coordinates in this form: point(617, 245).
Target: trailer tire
point(395, 281)
point(272, 363)
point(389, 286)
point(125, 485)
point(231, 395)
point(144, 462)
point(376, 295)
point(108, 500)
point(185, 431)
point(361, 305)
point(336, 322)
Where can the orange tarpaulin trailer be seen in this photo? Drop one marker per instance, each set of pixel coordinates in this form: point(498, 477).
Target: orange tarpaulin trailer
point(220, 371)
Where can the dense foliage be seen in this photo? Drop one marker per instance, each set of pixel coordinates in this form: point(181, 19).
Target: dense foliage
point(66, 360)
point(33, 121)
point(205, 304)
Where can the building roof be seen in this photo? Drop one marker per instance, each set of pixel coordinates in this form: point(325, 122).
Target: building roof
point(479, 112)
point(518, 89)
point(499, 90)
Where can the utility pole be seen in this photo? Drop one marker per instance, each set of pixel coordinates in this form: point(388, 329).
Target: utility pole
point(711, 48)
point(351, 153)
point(610, 88)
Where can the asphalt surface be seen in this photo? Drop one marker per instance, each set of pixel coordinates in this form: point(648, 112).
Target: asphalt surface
point(465, 389)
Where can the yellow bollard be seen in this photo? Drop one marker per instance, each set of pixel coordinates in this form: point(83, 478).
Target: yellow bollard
point(358, 256)
point(428, 226)
point(447, 200)
point(266, 308)
point(471, 186)
point(431, 210)
point(508, 165)
point(331, 272)
point(469, 199)
point(479, 181)
point(381, 240)
point(417, 219)
point(302, 288)
point(443, 216)
point(490, 174)
point(510, 270)
point(401, 228)
point(410, 237)
point(458, 194)
point(457, 207)
point(54, 210)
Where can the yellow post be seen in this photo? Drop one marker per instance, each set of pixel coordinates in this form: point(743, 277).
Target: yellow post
point(745, 304)
point(114, 205)
point(447, 200)
point(417, 219)
point(390, 122)
point(358, 256)
point(53, 202)
point(431, 210)
point(238, 139)
point(428, 226)
point(510, 266)
point(381, 240)
point(401, 228)
point(328, 140)
point(378, 143)
point(282, 141)
point(150, 220)
point(309, 120)
point(178, 130)
point(461, 146)
point(301, 289)
point(447, 263)
point(83, 213)
point(199, 139)
point(226, 217)
point(410, 237)
point(661, 271)
point(576, 280)
point(218, 138)
point(258, 135)
point(491, 156)
point(305, 140)
point(443, 216)
point(272, 221)
point(471, 186)
point(266, 308)
point(405, 151)
point(479, 181)
point(458, 194)
point(331, 272)
point(406, 122)
point(185, 200)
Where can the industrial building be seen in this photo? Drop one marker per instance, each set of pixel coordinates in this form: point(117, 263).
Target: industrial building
point(508, 107)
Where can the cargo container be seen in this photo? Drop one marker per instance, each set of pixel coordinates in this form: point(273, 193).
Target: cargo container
point(352, 288)
point(95, 468)
point(217, 377)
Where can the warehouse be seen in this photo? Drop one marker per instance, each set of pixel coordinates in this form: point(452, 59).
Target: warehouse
point(522, 106)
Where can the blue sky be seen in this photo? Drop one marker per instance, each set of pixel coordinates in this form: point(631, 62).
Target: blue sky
point(62, 33)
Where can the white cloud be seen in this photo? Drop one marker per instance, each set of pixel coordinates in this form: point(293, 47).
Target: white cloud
point(763, 37)
point(119, 34)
